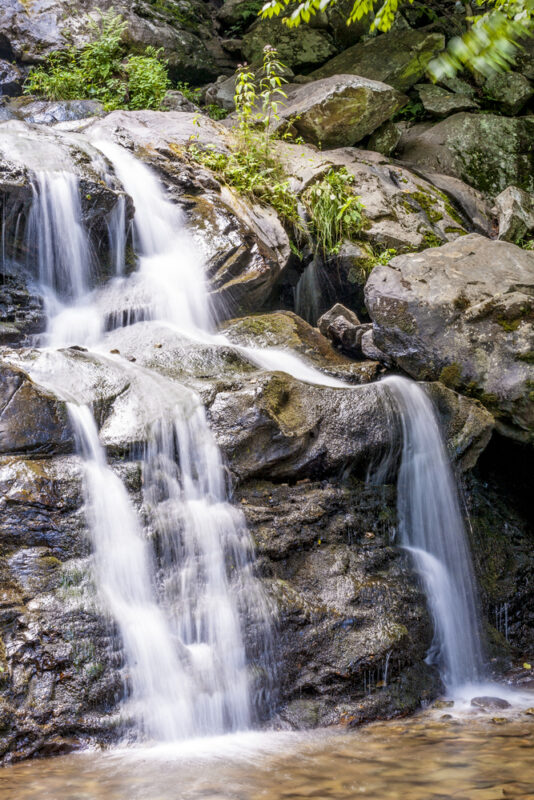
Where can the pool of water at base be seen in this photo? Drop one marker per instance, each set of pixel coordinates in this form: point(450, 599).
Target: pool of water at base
point(427, 757)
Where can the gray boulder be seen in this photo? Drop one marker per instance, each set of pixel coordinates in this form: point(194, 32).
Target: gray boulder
point(510, 90)
point(340, 110)
point(487, 151)
point(299, 48)
point(516, 214)
point(441, 103)
point(463, 313)
point(398, 58)
point(385, 139)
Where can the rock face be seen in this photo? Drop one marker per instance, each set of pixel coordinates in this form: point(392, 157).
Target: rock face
point(10, 79)
point(344, 602)
point(487, 151)
point(340, 110)
point(245, 245)
point(399, 58)
point(185, 31)
point(299, 48)
point(463, 313)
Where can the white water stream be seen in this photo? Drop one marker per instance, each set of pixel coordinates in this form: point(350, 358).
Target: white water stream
point(183, 633)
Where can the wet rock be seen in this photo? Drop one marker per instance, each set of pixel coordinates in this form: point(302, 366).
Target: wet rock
point(440, 103)
point(31, 419)
point(11, 79)
point(398, 58)
point(45, 112)
point(490, 703)
point(467, 424)
point(343, 328)
point(487, 151)
point(462, 313)
point(345, 604)
point(516, 214)
point(301, 48)
point(245, 245)
point(511, 90)
point(443, 704)
point(340, 110)
point(285, 330)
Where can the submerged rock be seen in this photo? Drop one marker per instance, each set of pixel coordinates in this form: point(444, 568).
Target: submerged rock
point(490, 703)
point(463, 313)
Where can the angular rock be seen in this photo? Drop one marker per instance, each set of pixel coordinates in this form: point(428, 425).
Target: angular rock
point(339, 111)
point(370, 350)
point(463, 313)
point(510, 89)
point(31, 420)
point(343, 328)
point(11, 79)
point(285, 330)
point(487, 151)
point(299, 48)
point(440, 103)
point(385, 139)
point(516, 214)
point(398, 58)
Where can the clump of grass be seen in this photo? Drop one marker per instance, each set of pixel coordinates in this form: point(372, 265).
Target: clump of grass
point(334, 209)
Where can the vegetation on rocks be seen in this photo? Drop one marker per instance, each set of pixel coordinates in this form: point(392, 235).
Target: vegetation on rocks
point(102, 70)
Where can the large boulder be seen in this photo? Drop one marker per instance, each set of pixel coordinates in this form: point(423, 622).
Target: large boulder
point(398, 58)
point(185, 31)
point(402, 210)
point(489, 152)
point(463, 313)
point(339, 110)
point(299, 48)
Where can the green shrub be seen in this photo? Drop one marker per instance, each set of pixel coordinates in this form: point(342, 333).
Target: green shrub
point(335, 210)
point(101, 70)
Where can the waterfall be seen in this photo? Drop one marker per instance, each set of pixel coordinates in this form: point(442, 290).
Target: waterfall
point(180, 596)
point(431, 528)
point(180, 613)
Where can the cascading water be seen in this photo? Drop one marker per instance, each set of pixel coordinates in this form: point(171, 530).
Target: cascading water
point(180, 615)
point(431, 528)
